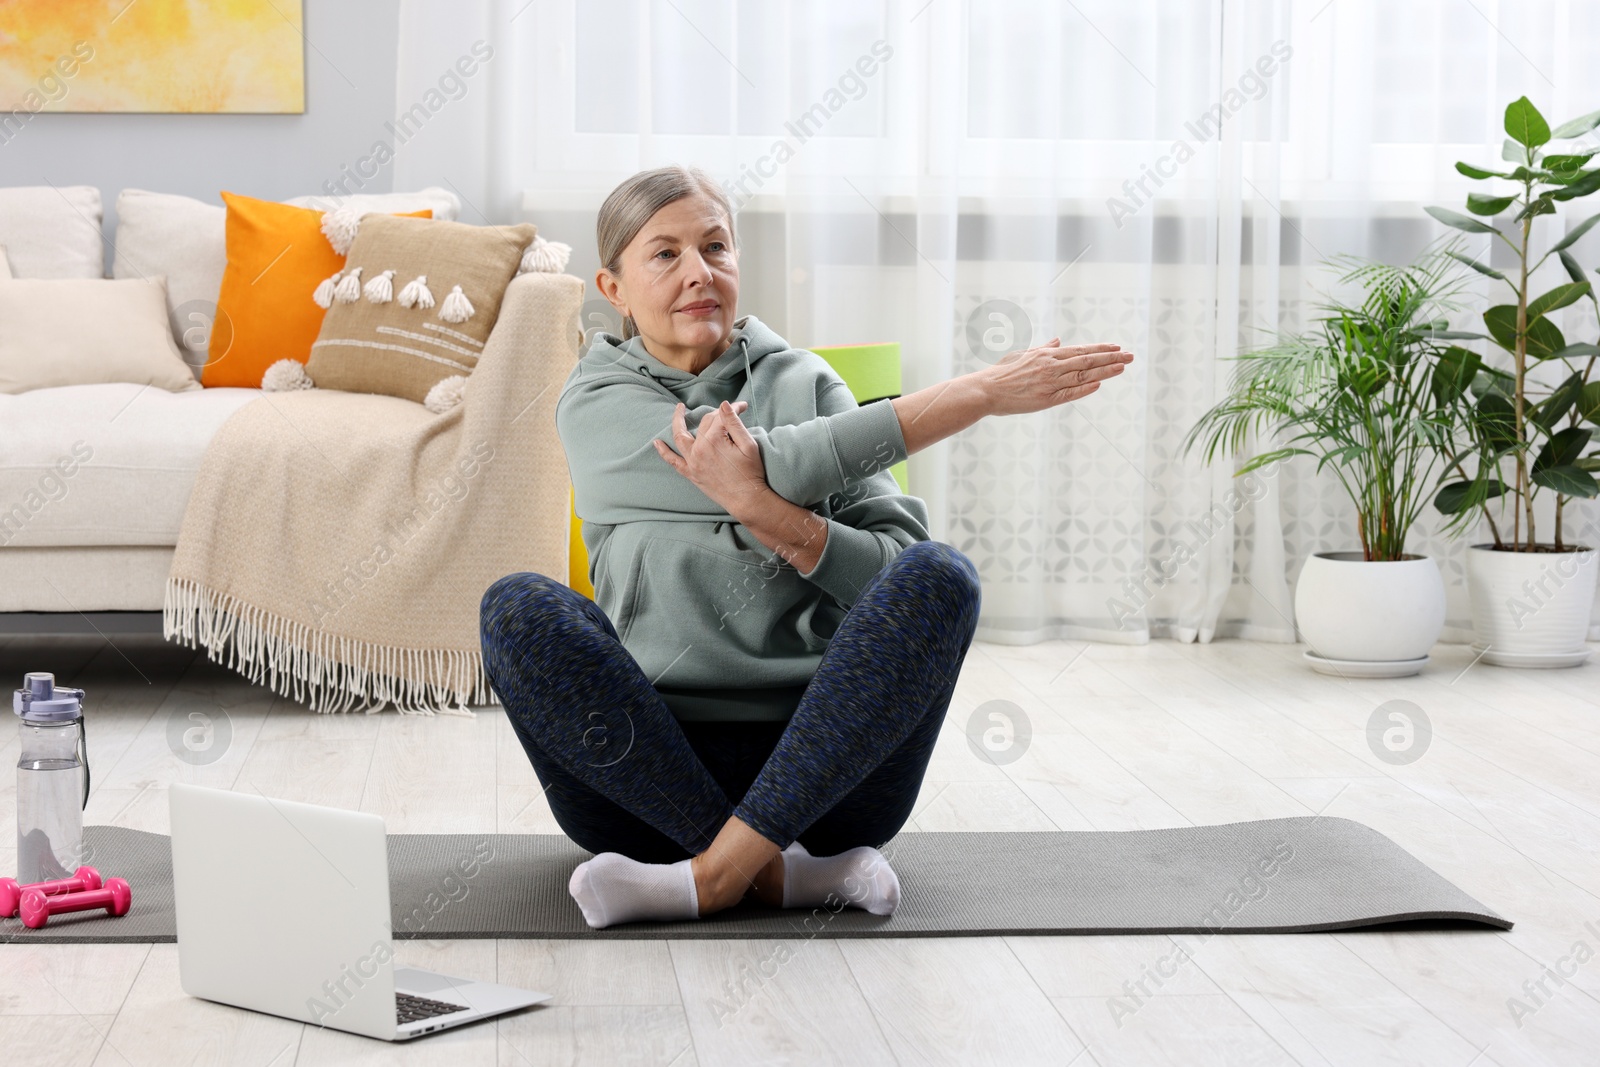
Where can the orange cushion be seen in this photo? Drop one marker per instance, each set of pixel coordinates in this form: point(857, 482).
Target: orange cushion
point(277, 255)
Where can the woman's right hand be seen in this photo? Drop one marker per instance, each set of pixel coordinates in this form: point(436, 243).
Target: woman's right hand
point(1049, 375)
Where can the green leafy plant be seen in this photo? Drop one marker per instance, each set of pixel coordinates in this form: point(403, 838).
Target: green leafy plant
point(1510, 417)
point(1359, 390)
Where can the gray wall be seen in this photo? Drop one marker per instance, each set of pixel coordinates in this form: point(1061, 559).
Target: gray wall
point(350, 94)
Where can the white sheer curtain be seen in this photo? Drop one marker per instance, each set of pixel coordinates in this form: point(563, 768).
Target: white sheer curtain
point(968, 177)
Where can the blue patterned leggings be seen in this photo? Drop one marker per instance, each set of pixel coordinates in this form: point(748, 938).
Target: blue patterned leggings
point(623, 775)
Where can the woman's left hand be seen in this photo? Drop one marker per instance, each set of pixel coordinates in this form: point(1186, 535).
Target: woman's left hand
point(720, 458)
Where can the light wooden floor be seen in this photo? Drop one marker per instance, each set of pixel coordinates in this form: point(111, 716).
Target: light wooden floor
point(1505, 802)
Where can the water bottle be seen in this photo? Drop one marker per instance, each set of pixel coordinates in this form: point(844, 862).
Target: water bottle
point(50, 795)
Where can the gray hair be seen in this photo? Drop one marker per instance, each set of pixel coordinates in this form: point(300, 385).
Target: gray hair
point(632, 204)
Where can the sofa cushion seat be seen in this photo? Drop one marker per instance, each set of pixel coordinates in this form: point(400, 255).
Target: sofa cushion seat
point(109, 464)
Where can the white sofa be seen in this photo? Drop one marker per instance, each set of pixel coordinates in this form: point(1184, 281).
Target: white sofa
point(94, 479)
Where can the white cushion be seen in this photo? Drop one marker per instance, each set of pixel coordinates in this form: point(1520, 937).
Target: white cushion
point(79, 331)
point(52, 232)
point(443, 203)
point(104, 464)
point(185, 240)
point(182, 239)
point(5, 264)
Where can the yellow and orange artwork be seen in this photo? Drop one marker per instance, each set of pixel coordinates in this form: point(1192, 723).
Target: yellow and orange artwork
point(242, 56)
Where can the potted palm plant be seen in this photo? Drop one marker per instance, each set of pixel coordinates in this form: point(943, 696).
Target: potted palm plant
point(1529, 427)
point(1357, 392)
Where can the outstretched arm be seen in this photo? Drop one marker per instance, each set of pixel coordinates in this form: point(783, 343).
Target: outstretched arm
point(872, 531)
point(808, 462)
point(725, 460)
point(1027, 381)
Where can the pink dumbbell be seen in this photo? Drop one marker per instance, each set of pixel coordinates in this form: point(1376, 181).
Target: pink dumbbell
point(115, 896)
point(11, 893)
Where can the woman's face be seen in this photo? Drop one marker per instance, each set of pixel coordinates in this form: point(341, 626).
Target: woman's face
point(679, 279)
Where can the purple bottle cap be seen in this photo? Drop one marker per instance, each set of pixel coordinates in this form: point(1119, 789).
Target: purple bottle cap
point(41, 700)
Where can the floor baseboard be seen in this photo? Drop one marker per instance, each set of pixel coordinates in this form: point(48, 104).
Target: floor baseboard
point(80, 622)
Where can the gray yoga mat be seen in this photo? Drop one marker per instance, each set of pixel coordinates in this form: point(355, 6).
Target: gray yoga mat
point(1273, 876)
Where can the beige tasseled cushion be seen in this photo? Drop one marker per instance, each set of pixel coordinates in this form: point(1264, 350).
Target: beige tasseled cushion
point(400, 333)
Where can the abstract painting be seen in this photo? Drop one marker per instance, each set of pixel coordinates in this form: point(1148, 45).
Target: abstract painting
point(240, 56)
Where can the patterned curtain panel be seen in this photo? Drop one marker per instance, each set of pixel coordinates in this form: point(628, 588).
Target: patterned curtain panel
point(968, 178)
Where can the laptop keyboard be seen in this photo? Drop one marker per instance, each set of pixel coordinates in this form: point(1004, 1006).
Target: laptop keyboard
point(410, 1009)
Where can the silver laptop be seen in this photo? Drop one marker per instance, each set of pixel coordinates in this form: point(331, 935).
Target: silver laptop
point(284, 908)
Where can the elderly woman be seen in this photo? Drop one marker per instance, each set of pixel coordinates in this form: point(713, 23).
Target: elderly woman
point(749, 703)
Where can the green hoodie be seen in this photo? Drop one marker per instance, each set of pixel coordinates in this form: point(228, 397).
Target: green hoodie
point(722, 626)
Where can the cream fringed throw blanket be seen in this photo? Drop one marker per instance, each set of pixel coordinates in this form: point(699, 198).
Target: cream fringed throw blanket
point(337, 545)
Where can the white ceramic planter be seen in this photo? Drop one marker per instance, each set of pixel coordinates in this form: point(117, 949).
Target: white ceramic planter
point(1376, 618)
point(1531, 609)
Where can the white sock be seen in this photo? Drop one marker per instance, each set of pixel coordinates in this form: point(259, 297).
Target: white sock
point(613, 889)
point(861, 877)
